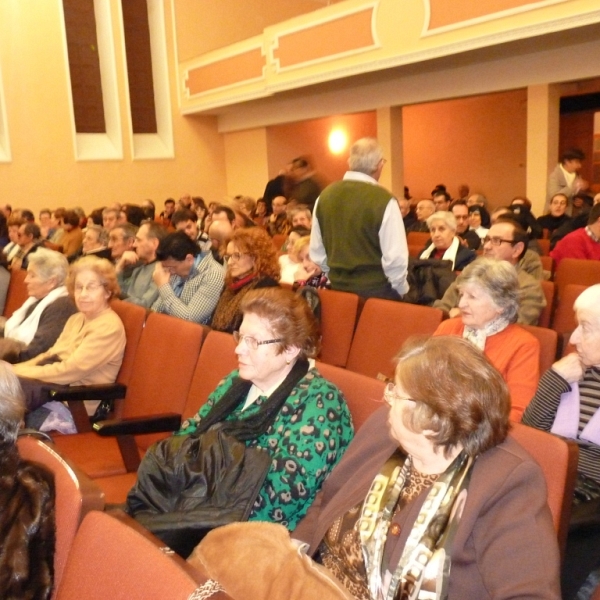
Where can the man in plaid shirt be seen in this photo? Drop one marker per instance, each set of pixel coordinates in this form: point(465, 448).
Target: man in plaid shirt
point(189, 284)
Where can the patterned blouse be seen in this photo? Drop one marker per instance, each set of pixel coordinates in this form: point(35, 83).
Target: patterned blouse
point(341, 551)
point(306, 440)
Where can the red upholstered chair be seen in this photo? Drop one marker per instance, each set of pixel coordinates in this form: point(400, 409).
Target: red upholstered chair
point(113, 560)
point(217, 359)
point(558, 459)
point(364, 395)
point(418, 238)
point(383, 326)
point(76, 495)
point(17, 292)
point(548, 343)
point(544, 245)
point(546, 314)
point(578, 271)
point(134, 319)
point(338, 320)
point(564, 321)
point(159, 383)
point(547, 264)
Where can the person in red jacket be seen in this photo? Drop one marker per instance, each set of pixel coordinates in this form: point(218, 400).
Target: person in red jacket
point(581, 243)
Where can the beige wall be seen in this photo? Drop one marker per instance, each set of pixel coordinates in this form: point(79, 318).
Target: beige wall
point(201, 28)
point(43, 170)
point(480, 141)
point(286, 142)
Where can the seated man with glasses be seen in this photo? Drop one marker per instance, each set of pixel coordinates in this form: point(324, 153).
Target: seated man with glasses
point(189, 284)
point(506, 241)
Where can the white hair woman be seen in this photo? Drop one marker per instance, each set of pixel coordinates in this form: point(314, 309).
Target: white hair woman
point(489, 303)
point(445, 244)
point(567, 403)
point(35, 326)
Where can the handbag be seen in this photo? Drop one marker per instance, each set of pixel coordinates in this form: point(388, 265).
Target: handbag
point(188, 485)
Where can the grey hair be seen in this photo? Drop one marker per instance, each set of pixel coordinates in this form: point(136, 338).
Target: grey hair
point(12, 404)
point(49, 264)
point(498, 278)
point(128, 230)
point(365, 155)
point(102, 233)
point(443, 215)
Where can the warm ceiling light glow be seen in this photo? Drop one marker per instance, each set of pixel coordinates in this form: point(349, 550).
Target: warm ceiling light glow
point(338, 141)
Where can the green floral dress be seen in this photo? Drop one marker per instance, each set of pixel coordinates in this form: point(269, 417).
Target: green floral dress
point(306, 440)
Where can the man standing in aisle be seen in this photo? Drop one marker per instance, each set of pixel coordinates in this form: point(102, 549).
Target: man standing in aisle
point(358, 236)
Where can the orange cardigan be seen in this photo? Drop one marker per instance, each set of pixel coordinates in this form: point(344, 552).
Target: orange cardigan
point(515, 353)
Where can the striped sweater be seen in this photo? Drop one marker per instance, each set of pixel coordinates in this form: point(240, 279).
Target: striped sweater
point(541, 412)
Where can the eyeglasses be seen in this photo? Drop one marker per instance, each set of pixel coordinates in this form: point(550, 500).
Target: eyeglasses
point(496, 241)
point(234, 255)
point(390, 394)
point(90, 287)
point(252, 342)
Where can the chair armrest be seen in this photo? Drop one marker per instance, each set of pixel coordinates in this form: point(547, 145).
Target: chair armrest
point(105, 391)
point(140, 425)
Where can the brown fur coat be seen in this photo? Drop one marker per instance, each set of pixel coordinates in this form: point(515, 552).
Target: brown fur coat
point(27, 531)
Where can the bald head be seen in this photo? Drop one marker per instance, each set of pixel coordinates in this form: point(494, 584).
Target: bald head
point(220, 233)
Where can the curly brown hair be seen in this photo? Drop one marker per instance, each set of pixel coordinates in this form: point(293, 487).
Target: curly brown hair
point(256, 242)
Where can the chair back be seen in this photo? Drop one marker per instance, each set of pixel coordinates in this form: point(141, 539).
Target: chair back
point(217, 359)
point(383, 326)
point(363, 394)
point(564, 321)
point(575, 270)
point(163, 369)
point(338, 320)
point(76, 495)
point(415, 250)
point(279, 240)
point(418, 238)
point(547, 264)
point(546, 314)
point(548, 344)
point(111, 560)
point(558, 459)
point(133, 318)
point(17, 292)
point(544, 245)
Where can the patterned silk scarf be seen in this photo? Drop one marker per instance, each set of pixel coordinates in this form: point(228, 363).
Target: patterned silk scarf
point(423, 570)
point(478, 337)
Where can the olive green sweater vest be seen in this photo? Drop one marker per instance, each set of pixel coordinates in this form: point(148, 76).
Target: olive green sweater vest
point(350, 215)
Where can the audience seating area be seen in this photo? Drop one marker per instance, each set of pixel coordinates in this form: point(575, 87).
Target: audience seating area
point(156, 390)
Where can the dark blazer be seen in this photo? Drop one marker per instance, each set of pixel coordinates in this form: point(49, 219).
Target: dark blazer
point(505, 544)
point(464, 256)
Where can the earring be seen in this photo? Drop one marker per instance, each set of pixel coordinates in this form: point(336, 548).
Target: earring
point(287, 362)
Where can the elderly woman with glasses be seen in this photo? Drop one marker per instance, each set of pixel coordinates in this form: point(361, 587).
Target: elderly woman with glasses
point(488, 305)
point(90, 348)
point(445, 505)
point(277, 400)
point(445, 244)
point(252, 263)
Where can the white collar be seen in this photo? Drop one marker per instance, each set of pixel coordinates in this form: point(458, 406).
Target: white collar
point(358, 176)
